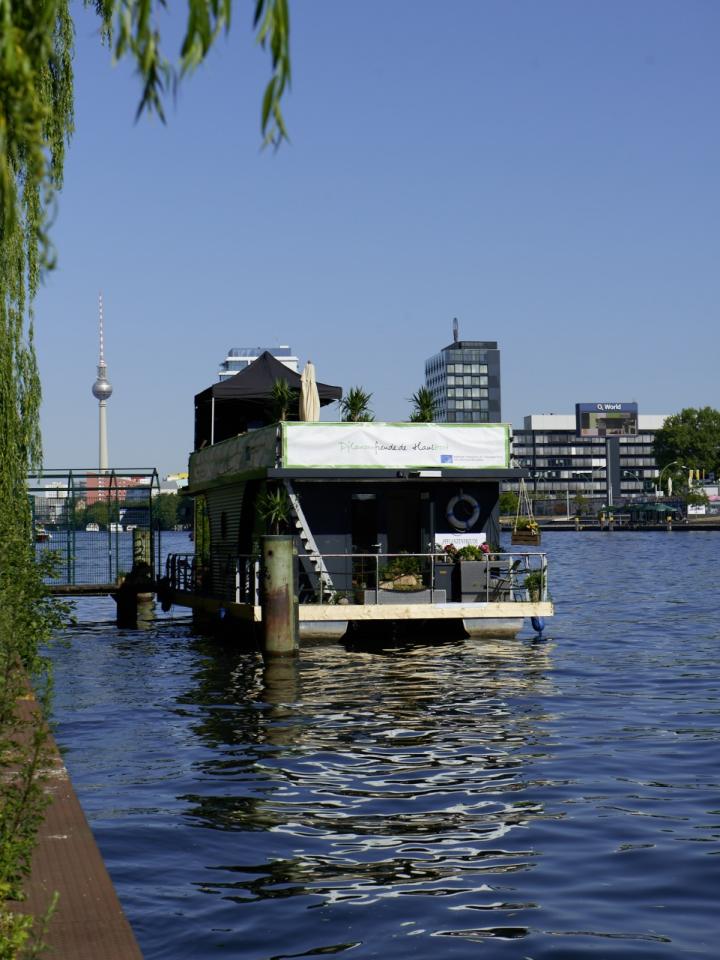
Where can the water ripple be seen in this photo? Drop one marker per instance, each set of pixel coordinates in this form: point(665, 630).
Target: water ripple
point(564, 794)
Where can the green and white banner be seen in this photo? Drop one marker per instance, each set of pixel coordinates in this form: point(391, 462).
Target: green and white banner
point(383, 446)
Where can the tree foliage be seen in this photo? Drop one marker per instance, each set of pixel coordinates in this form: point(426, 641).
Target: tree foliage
point(423, 406)
point(171, 510)
point(691, 437)
point(131, 27)
point(35, 121)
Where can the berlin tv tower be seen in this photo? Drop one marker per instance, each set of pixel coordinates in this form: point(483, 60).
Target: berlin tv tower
point(102, 391)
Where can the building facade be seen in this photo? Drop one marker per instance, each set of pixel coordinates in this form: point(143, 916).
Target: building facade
point(604, 469)
point(464, 380)
point(238, 358)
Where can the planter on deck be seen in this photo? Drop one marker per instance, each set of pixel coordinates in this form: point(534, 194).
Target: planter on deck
point(479, 580)
point(405, 596)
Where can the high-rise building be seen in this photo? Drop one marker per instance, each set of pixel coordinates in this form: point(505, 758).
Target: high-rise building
point(240, 357)
point(102, 391)
point(464, 379)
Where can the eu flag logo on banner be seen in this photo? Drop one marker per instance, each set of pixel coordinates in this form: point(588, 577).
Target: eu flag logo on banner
point(446, 458)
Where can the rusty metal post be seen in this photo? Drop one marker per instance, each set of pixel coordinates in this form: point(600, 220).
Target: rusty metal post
point(279, 602)
point(141, 548)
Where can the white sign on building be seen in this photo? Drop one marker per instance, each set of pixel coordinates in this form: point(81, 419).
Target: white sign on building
point(383, 446)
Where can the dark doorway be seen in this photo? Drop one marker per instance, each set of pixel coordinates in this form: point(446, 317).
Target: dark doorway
point(364, 523)
point(403, 522)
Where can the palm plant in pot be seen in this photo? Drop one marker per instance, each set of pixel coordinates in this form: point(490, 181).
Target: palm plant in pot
point(535, 582)
point(355, 406)
point(273, 508)
point(423, 406)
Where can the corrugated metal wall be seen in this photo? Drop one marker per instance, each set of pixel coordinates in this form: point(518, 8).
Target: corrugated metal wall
point(224, 509)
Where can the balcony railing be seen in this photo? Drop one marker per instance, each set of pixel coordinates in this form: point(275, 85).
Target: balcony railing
point(372, 578)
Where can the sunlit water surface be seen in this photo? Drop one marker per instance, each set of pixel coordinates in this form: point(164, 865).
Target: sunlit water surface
point(509, 798)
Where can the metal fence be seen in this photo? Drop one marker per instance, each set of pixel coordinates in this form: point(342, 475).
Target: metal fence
point(87, 518)
point(372, 578)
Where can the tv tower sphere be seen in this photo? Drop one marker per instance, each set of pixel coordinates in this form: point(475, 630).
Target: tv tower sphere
point(101, 388)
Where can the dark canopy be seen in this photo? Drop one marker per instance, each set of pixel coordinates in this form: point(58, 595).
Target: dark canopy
point(245, 400)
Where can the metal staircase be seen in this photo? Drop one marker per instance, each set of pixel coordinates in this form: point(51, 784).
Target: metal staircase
point(325, 588)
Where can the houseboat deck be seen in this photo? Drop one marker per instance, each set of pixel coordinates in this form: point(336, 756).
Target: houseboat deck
point(490, 597)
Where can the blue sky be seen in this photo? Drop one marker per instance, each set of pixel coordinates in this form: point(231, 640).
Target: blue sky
point(547, 172)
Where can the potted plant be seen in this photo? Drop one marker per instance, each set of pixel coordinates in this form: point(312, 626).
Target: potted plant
point(526, 531)
point(355, 406)
point(273, 507)
point(534, 583)
point(402, 573)
point(402, 581)
point(480, 574)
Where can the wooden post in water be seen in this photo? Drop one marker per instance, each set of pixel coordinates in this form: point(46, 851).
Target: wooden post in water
point(279, 602)
point(134, 598)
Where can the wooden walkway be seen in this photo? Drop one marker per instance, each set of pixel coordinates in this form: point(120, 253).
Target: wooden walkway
point(88, 923)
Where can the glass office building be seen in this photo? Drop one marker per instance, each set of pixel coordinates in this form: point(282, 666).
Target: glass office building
point(464, 379)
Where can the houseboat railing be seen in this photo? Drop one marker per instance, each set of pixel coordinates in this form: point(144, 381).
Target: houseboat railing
point(372, 578)
point(235, 578)
point(431, 578)
point(182, 569)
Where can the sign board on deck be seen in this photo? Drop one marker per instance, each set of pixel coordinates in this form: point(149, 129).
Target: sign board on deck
point(391, 446)
point(459, 540)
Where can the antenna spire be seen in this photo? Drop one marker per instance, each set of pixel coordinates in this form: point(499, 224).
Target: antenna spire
point(456, 332)
point(102, 335)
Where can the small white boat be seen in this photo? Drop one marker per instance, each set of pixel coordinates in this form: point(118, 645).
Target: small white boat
point(92, 527)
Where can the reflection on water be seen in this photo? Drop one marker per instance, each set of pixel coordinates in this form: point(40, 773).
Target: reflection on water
point(535, 799)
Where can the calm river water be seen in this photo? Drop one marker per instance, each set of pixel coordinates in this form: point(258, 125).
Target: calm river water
point(503, 799)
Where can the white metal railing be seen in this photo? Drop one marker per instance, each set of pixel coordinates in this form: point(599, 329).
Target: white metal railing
point(379, 578)
point(371, 578)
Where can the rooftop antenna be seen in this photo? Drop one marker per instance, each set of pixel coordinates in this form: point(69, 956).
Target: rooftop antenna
point(456, 332)
point(102, 390)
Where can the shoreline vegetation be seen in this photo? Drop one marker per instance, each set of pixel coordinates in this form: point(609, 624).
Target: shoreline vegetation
point(37, 121)
point(29, 618)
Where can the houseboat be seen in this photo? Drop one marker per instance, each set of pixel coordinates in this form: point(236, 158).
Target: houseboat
point(396, 525)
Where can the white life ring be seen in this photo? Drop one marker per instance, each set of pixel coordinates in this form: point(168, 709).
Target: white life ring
point(458, 522)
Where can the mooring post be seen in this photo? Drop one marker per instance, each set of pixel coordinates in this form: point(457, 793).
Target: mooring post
point(279, 602)
point(141, 547)
point(134, 597)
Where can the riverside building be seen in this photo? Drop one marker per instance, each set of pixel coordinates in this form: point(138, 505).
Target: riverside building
point(238, 358)
point(464, 380)
point(570, 456)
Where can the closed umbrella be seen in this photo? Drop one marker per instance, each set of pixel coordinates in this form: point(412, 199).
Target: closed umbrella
point(309, 398)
